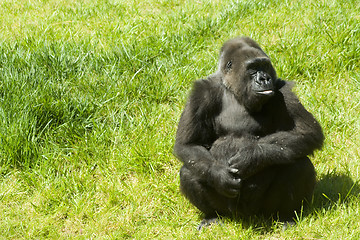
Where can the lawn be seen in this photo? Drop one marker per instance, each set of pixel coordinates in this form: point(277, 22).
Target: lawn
point(91, 93)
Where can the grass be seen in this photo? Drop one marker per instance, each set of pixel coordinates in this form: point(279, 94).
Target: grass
point(91, 93)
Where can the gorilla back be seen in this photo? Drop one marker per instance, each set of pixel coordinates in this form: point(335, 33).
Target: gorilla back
point(244, 138)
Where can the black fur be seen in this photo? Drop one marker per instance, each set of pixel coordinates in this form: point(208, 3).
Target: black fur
point(244, 138)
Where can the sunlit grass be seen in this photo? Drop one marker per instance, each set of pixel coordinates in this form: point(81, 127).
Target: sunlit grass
point(91, 93)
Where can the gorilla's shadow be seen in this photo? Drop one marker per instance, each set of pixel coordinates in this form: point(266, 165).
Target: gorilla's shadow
point(333, 189)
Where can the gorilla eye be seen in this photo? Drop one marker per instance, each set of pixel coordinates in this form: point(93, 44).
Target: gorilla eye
point(252, 72)
point(229, 64)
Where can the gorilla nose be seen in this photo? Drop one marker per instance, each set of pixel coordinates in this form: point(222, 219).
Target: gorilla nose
point(262, 77)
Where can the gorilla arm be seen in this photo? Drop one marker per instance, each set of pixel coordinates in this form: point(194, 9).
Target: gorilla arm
point(281, 147)
point(196, 132)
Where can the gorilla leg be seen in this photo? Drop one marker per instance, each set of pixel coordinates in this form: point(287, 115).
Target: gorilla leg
point(203, 196)
point(292, 187)
point(280, 189)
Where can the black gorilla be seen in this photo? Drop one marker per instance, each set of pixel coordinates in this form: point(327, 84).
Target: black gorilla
point(244, 138)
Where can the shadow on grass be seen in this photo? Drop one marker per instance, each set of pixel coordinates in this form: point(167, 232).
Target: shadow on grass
point(333, 189)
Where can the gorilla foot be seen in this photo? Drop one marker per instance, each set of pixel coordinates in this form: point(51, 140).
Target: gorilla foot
point(287, 225)
point(207, 222)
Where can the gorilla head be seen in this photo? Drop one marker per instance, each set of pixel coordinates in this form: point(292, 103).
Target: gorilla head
point(247, 71)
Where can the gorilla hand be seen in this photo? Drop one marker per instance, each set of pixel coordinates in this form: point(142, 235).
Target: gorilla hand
point(223, 179)
point(244, 162)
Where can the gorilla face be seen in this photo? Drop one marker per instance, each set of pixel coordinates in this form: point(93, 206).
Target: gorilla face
point(259, 72)
point(247, 72)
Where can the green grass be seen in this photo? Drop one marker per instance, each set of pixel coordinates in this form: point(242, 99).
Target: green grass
point(91, 93)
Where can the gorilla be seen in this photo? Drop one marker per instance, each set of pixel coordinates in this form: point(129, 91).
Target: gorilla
point(243, 139)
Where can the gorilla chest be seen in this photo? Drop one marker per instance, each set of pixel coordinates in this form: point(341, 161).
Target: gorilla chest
point(235, 119)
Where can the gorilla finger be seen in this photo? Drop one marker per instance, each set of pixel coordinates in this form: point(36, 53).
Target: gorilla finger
point(233, 161)
point(234, 184)
point(231, 193)
point(237, 172)
point(233, 170)
point(237, 183)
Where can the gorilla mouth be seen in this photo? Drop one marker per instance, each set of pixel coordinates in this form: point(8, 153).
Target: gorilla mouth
point(266, 92)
